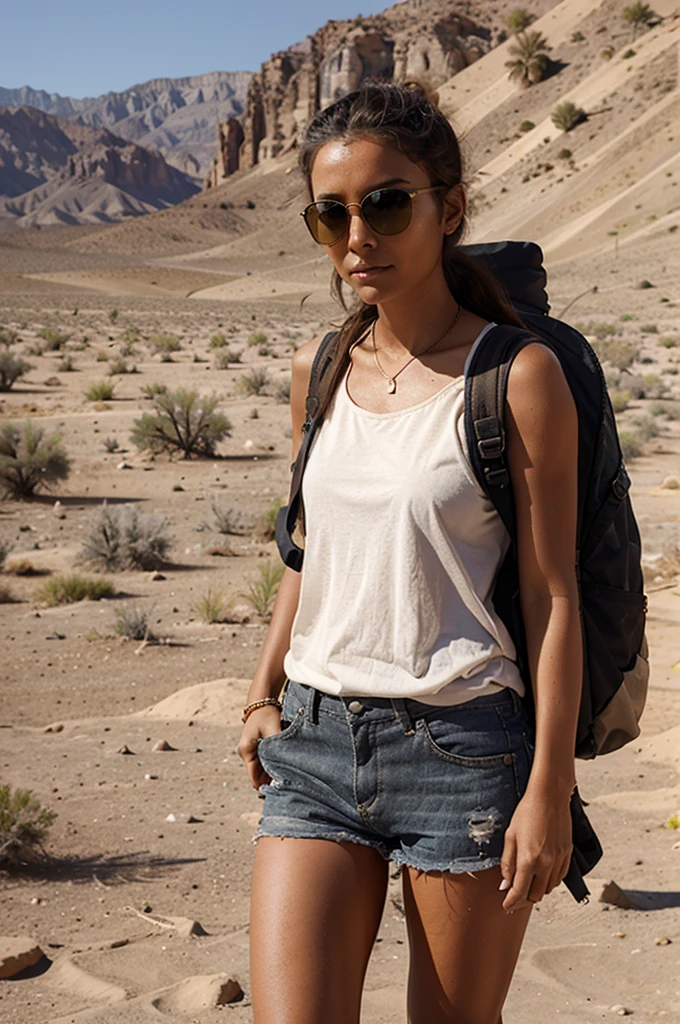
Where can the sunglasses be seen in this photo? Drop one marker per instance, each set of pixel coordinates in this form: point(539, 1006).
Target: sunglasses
point(387, 211)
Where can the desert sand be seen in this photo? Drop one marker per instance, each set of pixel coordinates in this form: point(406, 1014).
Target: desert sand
point(142, 909)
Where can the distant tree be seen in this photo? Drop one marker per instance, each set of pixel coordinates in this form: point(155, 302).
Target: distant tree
point(638, 15)
point(30, 460)
point(530, 59)
point(181, 421)
point(567, 115)
point(519, 20)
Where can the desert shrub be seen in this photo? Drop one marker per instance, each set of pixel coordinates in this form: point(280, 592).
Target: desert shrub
point(30, 460)
point(165, 343)
point(127, 349)
point(254, 413)
point(66, 364)
point(630, 445)
point(649, 329)
point(619, 353)
point(111, 444)
point(644, 284)
point(182, 421)
point(261, 591)
point(226, 520)
point(53, 338)
point(607, 53)
point(5, 548)
point(638, 15)
point(20, 567)
point(8, 338)
point(578, 37)
point(100, 391)
point(253, 383)
point(258, 338)
point(619, 400)
point(668, 341)
point(120, 537)
point(519, 19)
point(70, 589)
point(119, 366)
point(133, 623)
point(646, 428)
point(151, 390)
point(530, 59)
point(567, 115)
point(282, 391)
point(226, 358)
point(6, 595)
point(210, 607)
point(102, 356)
point(626, 317)
point(264, 351)
point(669, 410)
point(565, 154)
point(12, 368)
point(265, 528)
point(628, 54)
point(527, 126)
point(668, 566)
point(654, 386)
point(24, 826)
point(130, 336)
point(218, 340)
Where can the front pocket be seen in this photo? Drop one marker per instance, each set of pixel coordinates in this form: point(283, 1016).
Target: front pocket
point(448, 748)
point(286, 733)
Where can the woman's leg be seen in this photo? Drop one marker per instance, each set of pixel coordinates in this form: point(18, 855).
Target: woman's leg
point(463, 946)
point(316, 907)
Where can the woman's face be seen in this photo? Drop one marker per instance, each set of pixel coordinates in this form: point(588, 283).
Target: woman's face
point(381, 267)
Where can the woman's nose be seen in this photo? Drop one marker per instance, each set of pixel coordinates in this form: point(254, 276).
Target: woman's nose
point(360, 234)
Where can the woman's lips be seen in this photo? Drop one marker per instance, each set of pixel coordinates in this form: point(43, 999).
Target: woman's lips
point(367, 273)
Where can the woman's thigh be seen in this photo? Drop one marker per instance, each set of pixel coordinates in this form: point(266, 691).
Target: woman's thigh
point(316, 906)
point(463, 946)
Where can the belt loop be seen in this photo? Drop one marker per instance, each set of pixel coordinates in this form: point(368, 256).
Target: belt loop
point(313, 705)
point(399, 705)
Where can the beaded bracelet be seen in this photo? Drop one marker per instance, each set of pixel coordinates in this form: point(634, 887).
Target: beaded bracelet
point(261, 704)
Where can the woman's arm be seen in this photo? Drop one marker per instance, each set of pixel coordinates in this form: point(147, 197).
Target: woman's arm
point(269, 676)
point(542, 438)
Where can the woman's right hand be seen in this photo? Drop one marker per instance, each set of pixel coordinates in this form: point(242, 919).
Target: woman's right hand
point(264, 721)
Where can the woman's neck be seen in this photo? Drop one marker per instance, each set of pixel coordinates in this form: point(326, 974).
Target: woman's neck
point(411, 322)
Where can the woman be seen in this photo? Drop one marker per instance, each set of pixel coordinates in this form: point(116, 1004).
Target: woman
point(403, 734)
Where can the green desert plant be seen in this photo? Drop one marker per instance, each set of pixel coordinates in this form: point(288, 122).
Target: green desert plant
point(113, 316)
point(526, 126)
point(120, 537)
point(649, 329)
point(53, 338)
point(258, 338)
point(617, 352)
point(164, 344)
point(133, 623)
point(668, 341)
point(30, 460)
point(119, 366)
point(607, 53)
point(182, 421)
point(253, 383)
point(151, 390)
point(261, 591)
point(638, 15)
point(530, 59)
point(65, 589)
point(24, 826)
point(111, 444)
point(12, 368)
point(210, 607)
point(100, 391)
point(619, 400)
point(265, 528)
point(519, 20)
point(567, 115)
point(630, 445)
point(218, 340)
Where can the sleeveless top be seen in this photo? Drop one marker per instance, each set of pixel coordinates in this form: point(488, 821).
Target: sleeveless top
point(402, 549)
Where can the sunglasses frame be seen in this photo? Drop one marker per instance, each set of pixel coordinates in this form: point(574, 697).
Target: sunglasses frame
point(410, 192)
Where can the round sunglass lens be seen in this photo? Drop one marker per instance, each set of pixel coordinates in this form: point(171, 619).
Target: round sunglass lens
point(327, 222)
point(387, 211)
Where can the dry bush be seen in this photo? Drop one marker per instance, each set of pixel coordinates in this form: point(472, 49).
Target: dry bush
point(24, 826)
point(226, 520)
point(253, 383)
point(282, 391)
point(100, 391)
point(225, 359)
point(54, 339)
point(164, 344)
point(20, 567)
point(619, 400)
point(12, 368)
point(182, 421)
point(66, 364)
point(630, 445)
point(616, 352)
point(30, 460)
point(119, 366)
point(120, 537)
point(218, 340)
point(133, 623)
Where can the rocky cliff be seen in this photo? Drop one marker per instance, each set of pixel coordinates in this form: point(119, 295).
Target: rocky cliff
point(427, 39)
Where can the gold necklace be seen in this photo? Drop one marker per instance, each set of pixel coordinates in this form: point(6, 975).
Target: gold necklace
point(392, 380)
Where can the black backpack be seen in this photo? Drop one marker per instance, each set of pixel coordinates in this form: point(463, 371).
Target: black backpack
point(613, 605)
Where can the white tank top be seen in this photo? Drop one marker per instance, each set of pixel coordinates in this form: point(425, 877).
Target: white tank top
point(402, 549)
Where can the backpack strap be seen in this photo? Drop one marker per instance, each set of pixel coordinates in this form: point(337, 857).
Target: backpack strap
point(287, 517)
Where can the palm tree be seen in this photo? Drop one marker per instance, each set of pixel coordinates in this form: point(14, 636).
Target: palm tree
point(531, 60)
point(638, 15)
point(519, 20)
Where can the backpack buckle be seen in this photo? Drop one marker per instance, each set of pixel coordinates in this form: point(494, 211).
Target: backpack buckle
point(497, 477)
point(491, 447)
point(490, 437)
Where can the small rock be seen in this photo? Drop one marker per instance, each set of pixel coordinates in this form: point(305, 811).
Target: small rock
point(621, 1011)
point(18, 953)
point(54, 727)
point(612, 893)
point(58, 510)
point(123, 465)
point(125, 749)
point(619, 935)
point(163, 745)
point(663, 940)
point(184, 819)
point(248, 444)
point(52, 382)
point(119, 943)
point(156, 576)
point(671, 483)
point(149, 776)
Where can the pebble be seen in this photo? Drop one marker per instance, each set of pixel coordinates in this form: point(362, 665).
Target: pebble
point(156, 576)
point(622, 1011)
point(17, 953)
point(619, 935)
point(125, 749)
point(163, 745)
point(54, 727)
point(123, 465)
point(149, 776)
point(184, 819)
point(663, 940)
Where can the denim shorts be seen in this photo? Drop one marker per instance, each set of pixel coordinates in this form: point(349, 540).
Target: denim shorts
point(430, 787)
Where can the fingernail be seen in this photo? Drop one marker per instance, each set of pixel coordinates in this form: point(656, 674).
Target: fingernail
point(505, 884)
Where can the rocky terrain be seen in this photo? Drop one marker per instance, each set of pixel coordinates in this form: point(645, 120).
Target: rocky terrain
point(142, 913)
point(177, 116)
point(53, 171)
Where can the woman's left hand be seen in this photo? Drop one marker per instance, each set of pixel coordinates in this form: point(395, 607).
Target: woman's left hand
point(537, 849)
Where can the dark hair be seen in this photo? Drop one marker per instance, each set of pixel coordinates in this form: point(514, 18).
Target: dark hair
point(403, 116)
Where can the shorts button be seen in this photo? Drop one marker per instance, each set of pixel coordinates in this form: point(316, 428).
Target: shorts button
point(508, 759)
point(355, 706)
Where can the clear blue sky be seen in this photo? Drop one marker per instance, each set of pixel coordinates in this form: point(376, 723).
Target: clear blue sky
point(87, 47)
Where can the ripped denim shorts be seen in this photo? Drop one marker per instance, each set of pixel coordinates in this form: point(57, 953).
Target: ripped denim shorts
point(426, 786)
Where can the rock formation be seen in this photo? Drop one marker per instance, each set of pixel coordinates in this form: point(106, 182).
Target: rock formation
point(426, 39)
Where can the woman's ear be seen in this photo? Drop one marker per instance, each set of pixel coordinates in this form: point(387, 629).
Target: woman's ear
point(455, 206)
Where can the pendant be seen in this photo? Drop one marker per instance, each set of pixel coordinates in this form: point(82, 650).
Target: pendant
point(391, 386)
